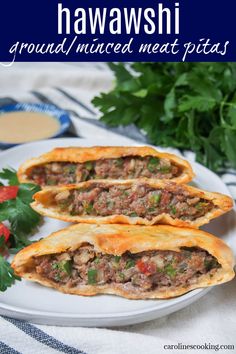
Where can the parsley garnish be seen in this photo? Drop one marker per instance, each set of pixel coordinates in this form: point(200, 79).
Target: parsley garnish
point(7, 276)
point(22, 221)
point(184, 105)
point(9, 174)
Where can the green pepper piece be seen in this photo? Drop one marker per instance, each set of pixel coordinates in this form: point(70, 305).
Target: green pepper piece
point(200, 205)
point(130, 263)
point(122, 276)
point(170, 270)
point(89, 208)
point(165, 169)
point(152, 164)
point(173, 209)
point(151, 210)
point(66, 266)
point(155, 198)
point(96, 260)
point(133, 214)
point(54, 266)
point(92, 276)
point(117, 259)
point(63, 266)
point(89, 165)
point(70, 169)
point(119, 162)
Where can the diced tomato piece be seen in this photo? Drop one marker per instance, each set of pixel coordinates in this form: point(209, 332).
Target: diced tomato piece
point(146, 268)
point(4, 231)
point(8, 192)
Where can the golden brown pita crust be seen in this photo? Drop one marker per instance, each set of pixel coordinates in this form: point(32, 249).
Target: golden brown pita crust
point(43, 199)
point(83, 154)
point(116, 240)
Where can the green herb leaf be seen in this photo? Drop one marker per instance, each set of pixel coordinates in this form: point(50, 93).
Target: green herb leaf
point(26, 192)
point(2, 241)
point(7, 276)
point(22, 218)
point(141, 93)
point(182, 105)
point(9, 174)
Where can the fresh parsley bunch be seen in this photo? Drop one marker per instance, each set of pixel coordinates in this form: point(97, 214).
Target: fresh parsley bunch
point(183, 105)
point(19, 221)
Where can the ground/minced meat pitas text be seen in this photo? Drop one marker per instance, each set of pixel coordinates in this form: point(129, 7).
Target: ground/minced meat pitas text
point(138, 200)
point(56, 173)
point(145, 271)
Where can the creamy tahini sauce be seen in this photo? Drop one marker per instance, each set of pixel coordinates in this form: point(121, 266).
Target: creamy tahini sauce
point(20, 127)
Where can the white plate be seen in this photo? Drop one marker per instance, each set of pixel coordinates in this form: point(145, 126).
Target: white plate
point(33, 302)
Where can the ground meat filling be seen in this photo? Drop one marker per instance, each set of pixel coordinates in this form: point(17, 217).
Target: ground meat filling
point(56, 173)
point(145, 271)
point(139, 200)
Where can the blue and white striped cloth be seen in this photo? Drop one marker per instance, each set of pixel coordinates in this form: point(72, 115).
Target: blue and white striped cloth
point(210, 320)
